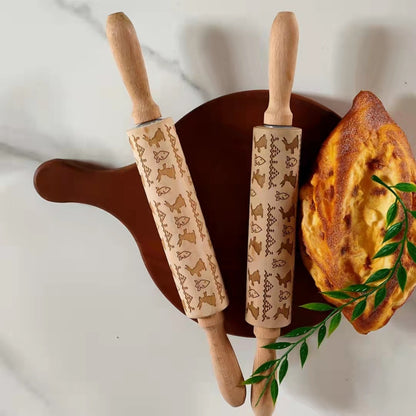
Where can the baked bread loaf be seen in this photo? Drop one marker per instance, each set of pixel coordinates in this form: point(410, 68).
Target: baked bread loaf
point(344, 211)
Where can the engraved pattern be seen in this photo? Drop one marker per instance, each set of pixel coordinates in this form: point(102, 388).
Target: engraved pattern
point(178, 157)
point(167, 234)
point(218, 283)
point(271, 219)
point(182, 280)
point(140, 151)
point(267, 287)
point(274, 151)
point(199, 223)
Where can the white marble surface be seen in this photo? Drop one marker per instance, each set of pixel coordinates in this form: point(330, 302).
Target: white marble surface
point(83, 330)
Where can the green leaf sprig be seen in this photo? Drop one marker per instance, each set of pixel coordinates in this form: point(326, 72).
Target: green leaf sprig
point(357, 295)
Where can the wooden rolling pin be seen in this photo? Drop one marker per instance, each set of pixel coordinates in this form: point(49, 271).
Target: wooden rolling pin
point(176, 210)
point(273, 200)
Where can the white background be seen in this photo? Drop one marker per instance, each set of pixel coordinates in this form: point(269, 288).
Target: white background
point(83, 329)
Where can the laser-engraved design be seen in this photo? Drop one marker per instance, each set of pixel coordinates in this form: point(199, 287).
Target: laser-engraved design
point(254, 311)
point(288, 214)
point(181, 221)
point(291, 178)
point(294, 144)
point(178, 157)
point(182, 280)
point(267, 287)
point(185, 236)
point(162, 216)
point(287, 229)
point(283, 281)
point(217, 280)
point(183, 254)
point(249, 258)
point(209, 299)
point(274, 151)
point(256, 245)
point(162, 190)
point(253, 192)
point(258, 160)
point(256, 212)
point(284, 310)
point(271, 219)
point(260, 143)
point(284, 295)
point(197, 269)
point(278, 263)
point(160, 155)
point(169, 172)
point(196, 212)
point(177, 205)
point(255, 228)
point(254, 277)
point(291, 161)
point(260, 179)
point(156, 139)
point(253, 294)
point(281, 196)
point(288, 246)
point(201, 284)
point(140, 151)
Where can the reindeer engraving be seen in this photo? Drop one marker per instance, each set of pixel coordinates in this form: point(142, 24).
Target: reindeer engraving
point(255, 244)
point(190, 237)
point(254, 277)
point(169, 172)
point(197, 269)
point(209, 300)
point(260, 143)
point(260, 179)
point(288, 214)
point(288, 246)
point(257, 212)
point(284, 310)
point(177, 205)
point(294, 144)
point(291, 178)
point(254, 311)
point(285, 280)
point(156, 139)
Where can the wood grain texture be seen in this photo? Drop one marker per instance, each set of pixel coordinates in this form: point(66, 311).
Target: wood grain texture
point(128, 56)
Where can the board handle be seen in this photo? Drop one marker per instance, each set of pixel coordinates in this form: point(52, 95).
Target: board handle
point(283, 50)
point(128, 56)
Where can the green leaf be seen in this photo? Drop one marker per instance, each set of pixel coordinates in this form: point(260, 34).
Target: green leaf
point(411, 248)
point(277, 346)
point(274, 390)
point(337, 294)
point(303, 353)
point(405, 187)
point(391, 213)
point(375, 178)
point(334, 323)
point(413, 213)
point(298, 331)
point(402, 277)
point(380, 296)
point(253, 380)
point(317, 306)
point(387, 250)
point(265, 366)
point(357, 288)
point(283, 370)
point(359, 309)
point(378, 275)
point(393, 231)
point(321, 335)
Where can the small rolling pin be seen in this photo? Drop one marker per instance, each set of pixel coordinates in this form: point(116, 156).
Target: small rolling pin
point(273, 200)
point(176, 210)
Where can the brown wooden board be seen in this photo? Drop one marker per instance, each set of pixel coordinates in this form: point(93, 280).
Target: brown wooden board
point(216, 139)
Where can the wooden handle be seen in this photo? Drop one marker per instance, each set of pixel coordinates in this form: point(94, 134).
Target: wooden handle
point(264, 336)
point(128, 56)
point(284, 38)
point(226, 367)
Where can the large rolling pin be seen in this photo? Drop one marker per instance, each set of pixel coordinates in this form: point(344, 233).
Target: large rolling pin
point(176, 210)
point(273, 200)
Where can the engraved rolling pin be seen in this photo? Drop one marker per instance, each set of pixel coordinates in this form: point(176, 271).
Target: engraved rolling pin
point(273, 199)
point(176, 210)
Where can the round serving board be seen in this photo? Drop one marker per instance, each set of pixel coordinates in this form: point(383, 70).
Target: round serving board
point(216, 139)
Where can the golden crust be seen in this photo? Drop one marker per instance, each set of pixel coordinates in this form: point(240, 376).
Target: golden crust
point(343, 210)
